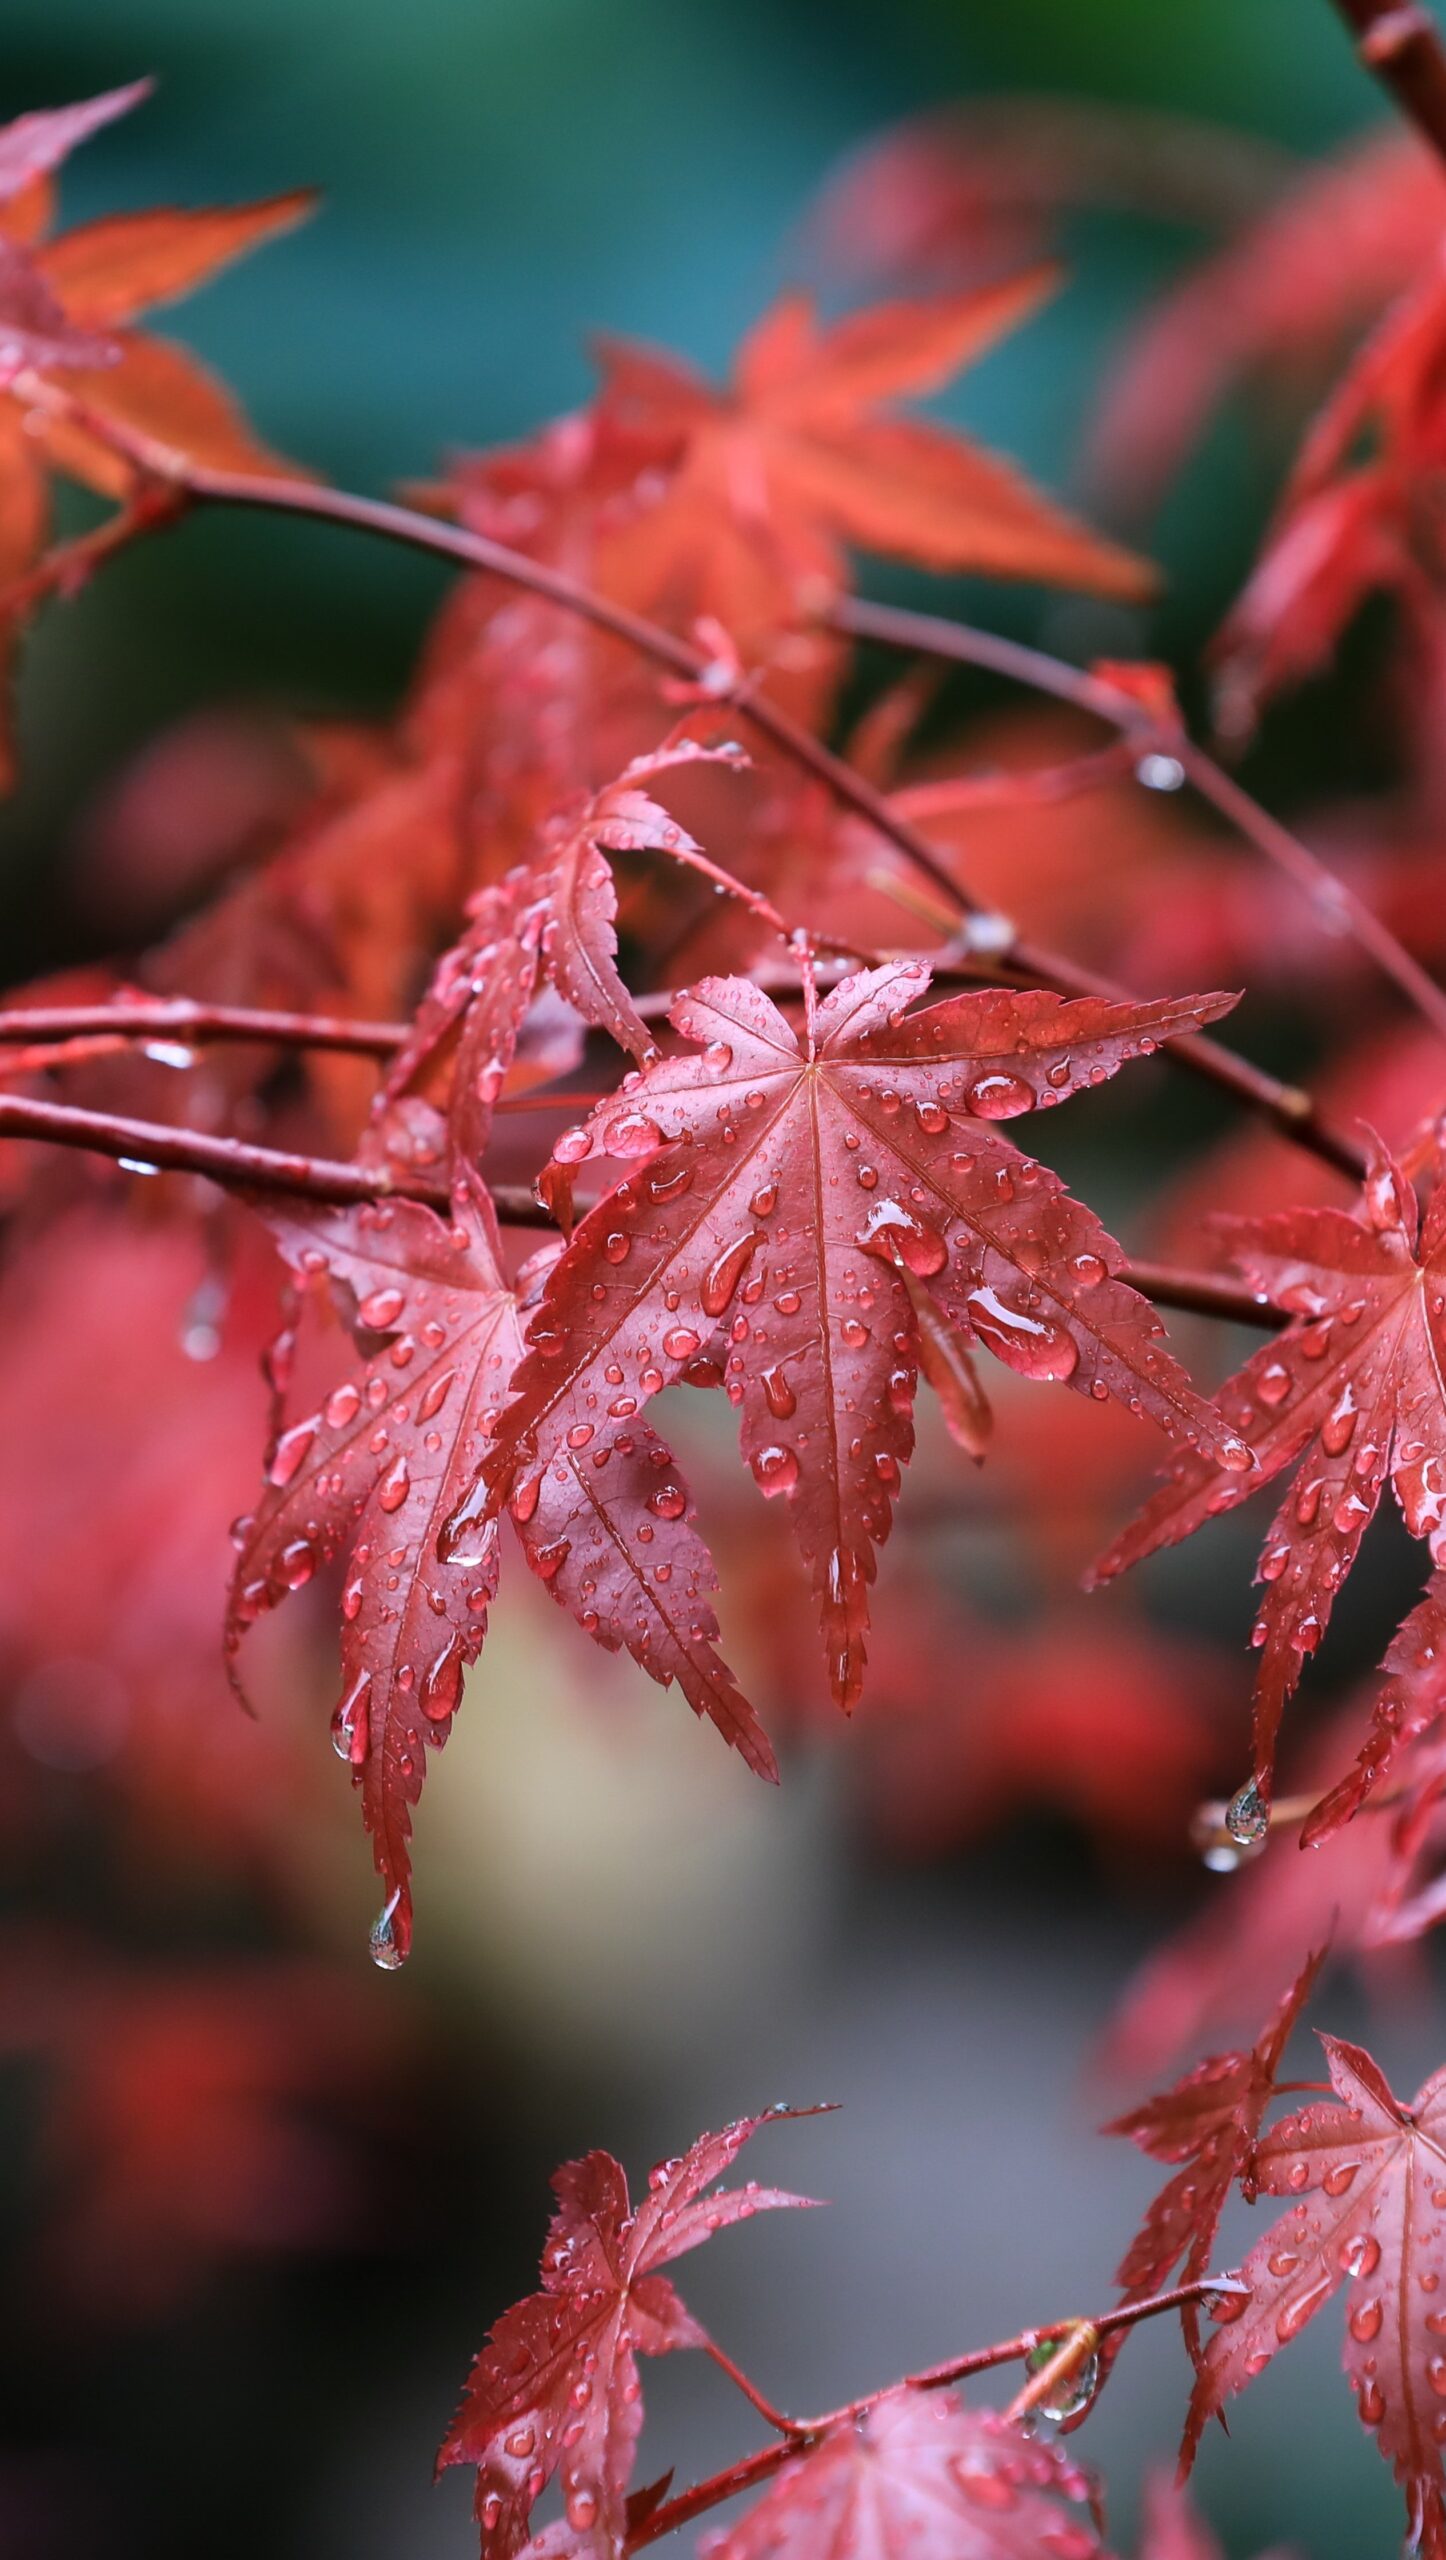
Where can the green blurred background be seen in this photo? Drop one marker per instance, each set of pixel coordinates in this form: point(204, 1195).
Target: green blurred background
point(502, 177)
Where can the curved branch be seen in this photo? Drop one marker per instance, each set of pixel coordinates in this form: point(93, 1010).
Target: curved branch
point(1291, 1110)
point(1332, 898)
point(156, 1146)
point(757, 2467)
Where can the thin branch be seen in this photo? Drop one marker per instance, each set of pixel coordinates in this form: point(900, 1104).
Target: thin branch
point(771, 2417)
point(1203, 1293)
point(755, 2468)
point(157, 1146)
point(1333, 900)
point(1403, 47)
point(184, 1020)
point(1290, 1109)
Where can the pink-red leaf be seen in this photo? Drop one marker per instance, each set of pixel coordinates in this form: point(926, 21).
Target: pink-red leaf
point(383, 1468)
point(1367, 2176)
point(1205, 2127)
point(556, 2387)
point(918, 2472)
point(1350, 1393)
point(792, 1188)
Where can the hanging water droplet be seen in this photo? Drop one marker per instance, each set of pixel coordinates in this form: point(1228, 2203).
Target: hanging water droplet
point(1073, 2391)
point(387, 1950)
point(1247, 1815)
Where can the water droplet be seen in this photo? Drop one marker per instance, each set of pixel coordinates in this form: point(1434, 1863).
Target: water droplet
point(349, 1725)
point(1023, 1342)
point(1160, 772)
point(668, 1501)
point(725, 1271)
point(893, 1234)
point(395, 1486)
point(1074, 2390)
point(779, 1395)
point(999, 1097)
point(442, 1688)
point(1247, 1816)
point(776, 1469)
point(632, 1133)
point(387, 1950)
point(381, 1309)
point(290, 1451)
point(297, 1563)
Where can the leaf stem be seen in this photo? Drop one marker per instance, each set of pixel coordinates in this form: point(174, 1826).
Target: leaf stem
point(755, 2468)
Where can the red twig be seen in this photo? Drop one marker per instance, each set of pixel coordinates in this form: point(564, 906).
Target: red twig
point(238, 1164)
point(1290, 1109)
point(1403, 47)
point(181, 1018)
point(755, 2468)
point(1333, 900)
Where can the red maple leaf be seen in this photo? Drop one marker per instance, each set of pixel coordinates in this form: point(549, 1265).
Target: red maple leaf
point(1408, 1705)
point(1205, 2127)
point(1350, 1392)
point(69, 303)
point(380, 1473)
point(1368, 2179)
point(556, 2386)
point(795, 1189)
point(1357, 514)
point(918, 2472)
point(553, 917)
point(763, 483)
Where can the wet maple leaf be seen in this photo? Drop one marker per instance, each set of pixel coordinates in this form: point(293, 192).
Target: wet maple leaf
point(381, 1469)
point(794, 1188)
point(1205, 2127)
point(917, 2471)
point(81, 291)
point(556, 2386)
point(1351, 1388)
point(553, 917)
point(1408, 1705)
point(764, 482)
point(1368, 2179)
